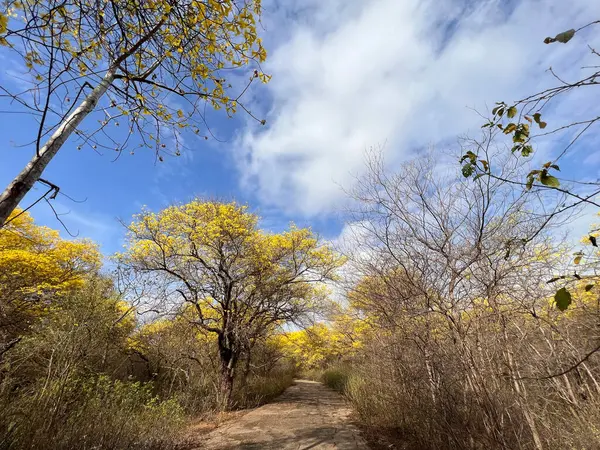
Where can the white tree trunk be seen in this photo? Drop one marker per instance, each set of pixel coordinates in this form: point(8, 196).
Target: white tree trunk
point(22, 184)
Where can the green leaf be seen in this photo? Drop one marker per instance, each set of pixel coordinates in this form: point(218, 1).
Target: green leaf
point(562, 299)
point(565, 36)
point(499, 110)
point(537, 117)
point(510, 128)
point(527, 150)
point(577, 259)
point(519, 136)
point(512, 112)
point(588, 287)
point(529, 184)
point(549, 180)
point(467, 170)
point(472, 157)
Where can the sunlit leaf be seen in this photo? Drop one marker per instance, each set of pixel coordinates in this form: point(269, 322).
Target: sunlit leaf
point(526, 150)
point(549, 180)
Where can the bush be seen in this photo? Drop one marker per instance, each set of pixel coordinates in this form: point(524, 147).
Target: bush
point(259, 390)
point(336, 378)
point(90, 413)
point(55, 391)
point(311, 374)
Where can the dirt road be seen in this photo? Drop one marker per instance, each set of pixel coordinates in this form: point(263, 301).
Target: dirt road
point(307, 416)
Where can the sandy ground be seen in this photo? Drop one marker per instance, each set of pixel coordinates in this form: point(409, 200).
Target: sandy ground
point(306, 416)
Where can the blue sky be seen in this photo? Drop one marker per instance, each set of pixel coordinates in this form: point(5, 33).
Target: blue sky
point(347, 75)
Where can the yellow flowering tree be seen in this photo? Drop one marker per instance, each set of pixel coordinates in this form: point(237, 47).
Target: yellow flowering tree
point(325, 343)
point(37, 267)
point(147, 68)
point(240, 281)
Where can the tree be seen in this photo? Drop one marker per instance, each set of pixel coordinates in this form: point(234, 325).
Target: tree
point(524, 121)
point(241, 281)
point(430, 248)
point(528, 124)
point(125, 62)
point(178, 358)
point(324, 343)
point(37, 269)
point(66, 385)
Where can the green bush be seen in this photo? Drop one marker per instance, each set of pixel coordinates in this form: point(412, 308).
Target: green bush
point(90, 413)
point(311, 374)
point(336, 378)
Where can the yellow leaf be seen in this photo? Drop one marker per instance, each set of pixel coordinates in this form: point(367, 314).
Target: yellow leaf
point(3, 23)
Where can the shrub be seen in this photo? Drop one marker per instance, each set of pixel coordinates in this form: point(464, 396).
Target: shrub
point(262, 389)
point(91, 413)
point(336, 378)
point(311, 374)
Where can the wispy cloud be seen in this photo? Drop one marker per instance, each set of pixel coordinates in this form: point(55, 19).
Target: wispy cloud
point(79, 221)
point(350, 75)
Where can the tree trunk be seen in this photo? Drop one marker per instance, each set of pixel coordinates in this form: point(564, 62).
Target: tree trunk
point(229, 359)
point(247, 368)
point(431, 377)
point(226, 388)
point(521, 394)
point(22, 184)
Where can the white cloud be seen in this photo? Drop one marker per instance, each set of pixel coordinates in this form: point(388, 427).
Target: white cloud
point(354, 74)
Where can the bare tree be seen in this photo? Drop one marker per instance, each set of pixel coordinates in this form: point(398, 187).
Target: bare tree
point(529, 123)
point(442, 264)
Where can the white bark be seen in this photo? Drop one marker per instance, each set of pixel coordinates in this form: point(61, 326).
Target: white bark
point(22, 184)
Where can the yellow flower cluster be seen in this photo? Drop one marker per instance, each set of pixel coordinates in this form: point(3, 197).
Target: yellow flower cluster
point(35, 260)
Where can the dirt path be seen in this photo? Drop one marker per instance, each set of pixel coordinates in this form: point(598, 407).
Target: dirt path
point(307, 416)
